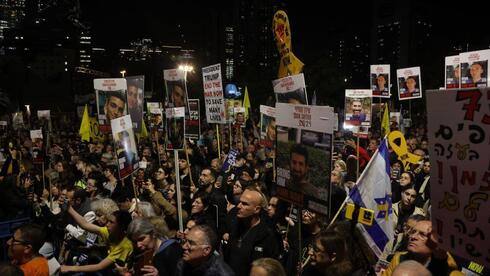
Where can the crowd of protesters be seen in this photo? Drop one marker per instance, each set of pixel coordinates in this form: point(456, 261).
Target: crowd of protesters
point(85, 219)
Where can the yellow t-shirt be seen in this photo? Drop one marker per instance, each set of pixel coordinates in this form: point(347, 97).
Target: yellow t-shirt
point(118, 251)
point(36, 267)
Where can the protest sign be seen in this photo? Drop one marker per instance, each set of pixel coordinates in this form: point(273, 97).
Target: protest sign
point(175, 128)
point(409, 83)
point(111, 101)
point(458, 132)
point(125, 145)
point(267, 126)
point(213, 94)
point(380, 80)
point(474, 68)
point(304, 154)
point(193, 124)
point(136, 88)
point(291, 89)
point(452, 72)
point(358, 111)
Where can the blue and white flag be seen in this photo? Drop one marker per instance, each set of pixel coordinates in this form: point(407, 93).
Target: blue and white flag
point(373, 191)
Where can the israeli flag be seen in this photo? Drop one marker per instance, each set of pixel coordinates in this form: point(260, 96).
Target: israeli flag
point(373, 191)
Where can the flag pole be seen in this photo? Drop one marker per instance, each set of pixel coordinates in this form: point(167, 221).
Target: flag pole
point(357, 182)
point(357, 149)
point(177, 187)
point(217, 136)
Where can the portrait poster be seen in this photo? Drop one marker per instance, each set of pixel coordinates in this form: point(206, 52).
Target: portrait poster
point(291, 89)
point(358, 104)
point(213, 94)
point(452, 74)
point(304, 155)
point(46, 114)
point(136, 88)
point(230, 105)
point(239, 116)
point(37, 146)
point(125, 145)
point(17, 120)
point(380, 80)
point(111, 101)
point(267, 126)
point(175, 118)
point(409, 83)
point(193, 124)
point(458, 131)
point(474, 68)
point(176, 87)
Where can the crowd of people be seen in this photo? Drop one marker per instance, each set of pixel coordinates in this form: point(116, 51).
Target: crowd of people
point(85, 219)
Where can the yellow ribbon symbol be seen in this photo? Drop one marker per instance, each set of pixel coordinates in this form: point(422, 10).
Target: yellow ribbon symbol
point(290, 64)
point(402, 149)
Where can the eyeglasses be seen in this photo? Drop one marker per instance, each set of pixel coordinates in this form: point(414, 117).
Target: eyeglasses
point(423, 236)
point(14, 240)
point(191, 243)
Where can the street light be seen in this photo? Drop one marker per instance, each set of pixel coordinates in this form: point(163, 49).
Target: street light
point(123, 72)
point(186, 68)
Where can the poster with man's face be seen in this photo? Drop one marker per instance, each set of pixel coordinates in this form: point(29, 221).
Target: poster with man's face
point(474, 69)
point(230, 105)
point(175, 128)
point(239, 114)
point(37, 146)
point(125, 145)
point(380, 80)
point(304, 158)
point(267, 126)
point(136, 88)
point(291, 89)
point(111, 101)
point(409, 83)
point(176, 87)
point(452, 72)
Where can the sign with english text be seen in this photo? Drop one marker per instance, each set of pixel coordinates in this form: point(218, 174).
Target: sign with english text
point(213, 94)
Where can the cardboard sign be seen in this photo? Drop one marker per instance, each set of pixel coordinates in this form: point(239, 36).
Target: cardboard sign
point(213, 94)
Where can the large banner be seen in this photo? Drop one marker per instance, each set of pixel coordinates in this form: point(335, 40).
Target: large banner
point(176, 87)
point(267, 126)
point(136, 88)
point(459, 131)
point(213, 94)
point(409, 83)
point(111, 101)
point(193, 124)
point(291, 89)
point(474, 69)
point(452, 74)
point(358, 105)
point(125, 145)
point(304, 154)
point(380, 80)
point(175, 128)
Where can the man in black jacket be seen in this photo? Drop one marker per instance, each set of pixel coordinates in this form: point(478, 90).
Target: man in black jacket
point(251, 238)
point(198, 258)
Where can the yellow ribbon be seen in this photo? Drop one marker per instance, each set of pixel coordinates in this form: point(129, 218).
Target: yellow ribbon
point(290, 64)
point(402, 149)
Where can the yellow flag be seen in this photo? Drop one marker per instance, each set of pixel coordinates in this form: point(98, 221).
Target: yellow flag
point(85, 126)
point(246, 102)
point(144, 131)
point(385, 124)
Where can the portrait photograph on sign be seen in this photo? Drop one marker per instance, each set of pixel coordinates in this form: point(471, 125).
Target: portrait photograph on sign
point(136, 88)
point(452, 72)
point(304, 156)
point(111, 101)
point(267, 126)
point(474, 69)
point(409, 83)
point(380, 80)
point(176, 87)
point(291, 89)
point(125, 145)
point(175, 118)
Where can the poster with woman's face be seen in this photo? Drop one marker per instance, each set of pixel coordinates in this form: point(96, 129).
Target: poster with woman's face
point(380, 80)
point(409, 85)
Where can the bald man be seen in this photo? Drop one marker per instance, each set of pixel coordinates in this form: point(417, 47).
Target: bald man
point(411, 268)
point(250, 238)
